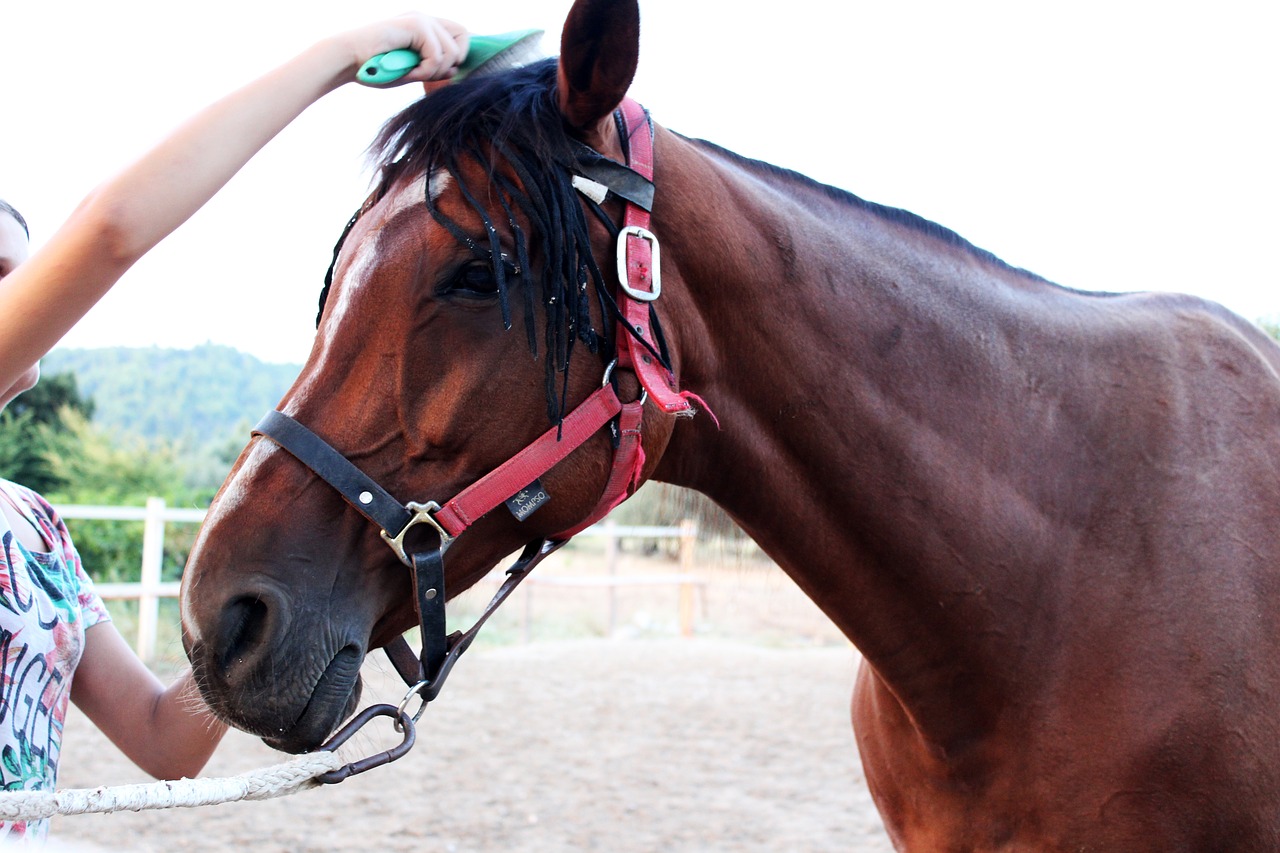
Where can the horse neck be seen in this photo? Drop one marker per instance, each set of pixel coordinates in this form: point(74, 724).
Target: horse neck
point(855, 366)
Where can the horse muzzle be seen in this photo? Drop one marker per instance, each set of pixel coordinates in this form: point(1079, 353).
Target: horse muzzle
point(269, 669)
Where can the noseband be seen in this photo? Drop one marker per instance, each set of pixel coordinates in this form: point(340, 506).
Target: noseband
point(516, 482)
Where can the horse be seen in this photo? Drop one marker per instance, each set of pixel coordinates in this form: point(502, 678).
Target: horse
point(1046, 518)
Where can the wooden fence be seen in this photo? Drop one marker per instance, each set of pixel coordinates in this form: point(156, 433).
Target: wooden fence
point(156, 515)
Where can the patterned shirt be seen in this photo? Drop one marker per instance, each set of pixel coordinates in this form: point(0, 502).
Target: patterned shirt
point(46, 603)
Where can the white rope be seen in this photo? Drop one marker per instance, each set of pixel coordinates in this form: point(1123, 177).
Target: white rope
point(274, 781)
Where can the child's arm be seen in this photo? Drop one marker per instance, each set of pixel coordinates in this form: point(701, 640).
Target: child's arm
point(123, 218)
point(167, 731)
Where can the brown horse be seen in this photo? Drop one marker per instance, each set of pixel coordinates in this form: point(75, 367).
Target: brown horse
point(1048, 519)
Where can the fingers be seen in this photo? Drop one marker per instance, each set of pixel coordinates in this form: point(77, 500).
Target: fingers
point(441, 44)
point(437, 54)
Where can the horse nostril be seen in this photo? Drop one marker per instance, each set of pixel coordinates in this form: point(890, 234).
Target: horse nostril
point(244, 621)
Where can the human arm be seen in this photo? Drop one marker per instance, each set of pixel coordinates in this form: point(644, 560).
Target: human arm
point(129, 214)
point(167, 731)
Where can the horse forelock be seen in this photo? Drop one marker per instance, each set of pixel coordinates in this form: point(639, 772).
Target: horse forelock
point(510, 127)
point(516, 107)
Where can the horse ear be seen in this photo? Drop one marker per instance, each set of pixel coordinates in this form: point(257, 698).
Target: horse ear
point(599, 50)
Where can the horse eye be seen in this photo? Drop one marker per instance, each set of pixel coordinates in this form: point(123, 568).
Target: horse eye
point(475, 280)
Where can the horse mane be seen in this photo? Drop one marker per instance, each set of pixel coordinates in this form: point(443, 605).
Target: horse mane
point(518, 107)
point(512, 118)
point(895, 215)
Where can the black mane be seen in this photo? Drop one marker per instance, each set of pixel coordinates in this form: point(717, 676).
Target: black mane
point(510, 122)
point(512, 119)
point(514, 109)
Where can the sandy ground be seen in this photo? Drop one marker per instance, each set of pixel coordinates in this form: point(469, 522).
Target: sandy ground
point(737, 739)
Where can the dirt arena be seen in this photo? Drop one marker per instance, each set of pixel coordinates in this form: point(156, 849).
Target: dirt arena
point(552, 737)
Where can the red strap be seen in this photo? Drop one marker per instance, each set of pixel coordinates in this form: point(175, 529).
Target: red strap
point(639, 150)
point(529, 464)
point(557, 443)
point(657, 380)
point(628, 462)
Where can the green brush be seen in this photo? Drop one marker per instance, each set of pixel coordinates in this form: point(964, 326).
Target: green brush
point(486, 55)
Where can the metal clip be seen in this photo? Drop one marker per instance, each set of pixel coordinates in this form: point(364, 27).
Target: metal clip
point(655, 274)
point(403, 724)
point(422, 514)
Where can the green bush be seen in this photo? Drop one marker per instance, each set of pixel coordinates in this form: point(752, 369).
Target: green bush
point(103, 470)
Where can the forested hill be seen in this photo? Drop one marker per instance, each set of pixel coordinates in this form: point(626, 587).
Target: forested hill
point(199, 397)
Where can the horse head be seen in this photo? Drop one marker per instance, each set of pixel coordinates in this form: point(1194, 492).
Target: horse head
point(470, 308)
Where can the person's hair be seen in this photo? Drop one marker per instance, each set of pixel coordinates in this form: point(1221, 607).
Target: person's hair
point(5, 207)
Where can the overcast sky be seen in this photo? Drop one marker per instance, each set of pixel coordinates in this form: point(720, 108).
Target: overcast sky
point(1111, 146)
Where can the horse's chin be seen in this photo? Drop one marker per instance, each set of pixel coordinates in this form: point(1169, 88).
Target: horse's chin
point(334, 698)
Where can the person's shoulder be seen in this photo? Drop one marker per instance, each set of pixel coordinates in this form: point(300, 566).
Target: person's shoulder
point(19, 489)
point(28, 496)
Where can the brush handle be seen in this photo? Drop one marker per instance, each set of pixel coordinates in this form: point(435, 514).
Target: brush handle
point(388, 67)
point(394, 64)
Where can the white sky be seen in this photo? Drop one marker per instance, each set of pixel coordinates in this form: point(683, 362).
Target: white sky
point(1113, 146)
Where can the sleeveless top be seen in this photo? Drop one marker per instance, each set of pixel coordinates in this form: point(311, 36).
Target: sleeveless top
point(46, 603)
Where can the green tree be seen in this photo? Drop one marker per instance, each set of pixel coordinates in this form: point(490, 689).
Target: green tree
point(33, 425)
point(200, 402)
point(100, 468)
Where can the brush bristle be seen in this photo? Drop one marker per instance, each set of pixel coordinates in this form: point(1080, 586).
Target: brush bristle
point(519, 54)
point(525, 47)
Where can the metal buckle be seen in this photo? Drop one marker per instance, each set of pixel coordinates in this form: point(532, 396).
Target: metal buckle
point(655, 274)
point(421, 515)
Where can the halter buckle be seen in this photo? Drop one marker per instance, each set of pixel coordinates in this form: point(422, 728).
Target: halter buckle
point(655, 272)
point(422, 514)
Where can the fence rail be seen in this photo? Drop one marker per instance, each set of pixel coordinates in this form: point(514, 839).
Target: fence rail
point(156, 515)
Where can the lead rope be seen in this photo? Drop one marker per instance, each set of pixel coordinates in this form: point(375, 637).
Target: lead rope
point(267, 783)
point(322, 767)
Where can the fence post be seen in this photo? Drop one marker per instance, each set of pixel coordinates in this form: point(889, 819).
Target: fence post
point(688, 540)
point(152, 559)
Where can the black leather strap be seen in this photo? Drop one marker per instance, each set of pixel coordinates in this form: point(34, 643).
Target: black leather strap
point(412, 671)
point(428, 590)
point(620, 180)
point(406, 663)
point(366, 496)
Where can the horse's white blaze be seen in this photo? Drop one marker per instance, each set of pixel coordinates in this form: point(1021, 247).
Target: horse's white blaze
point(410, 195)
point(363, 255)
point(354, 276)
point(438, 184)
point(233, 494)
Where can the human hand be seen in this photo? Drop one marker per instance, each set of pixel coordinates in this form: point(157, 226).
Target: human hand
point(442, 44)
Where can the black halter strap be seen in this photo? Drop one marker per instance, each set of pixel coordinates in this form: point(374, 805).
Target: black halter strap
point(365, 496)
point(376, 504)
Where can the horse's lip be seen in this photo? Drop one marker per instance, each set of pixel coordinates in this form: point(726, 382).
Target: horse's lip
point(333, 699)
